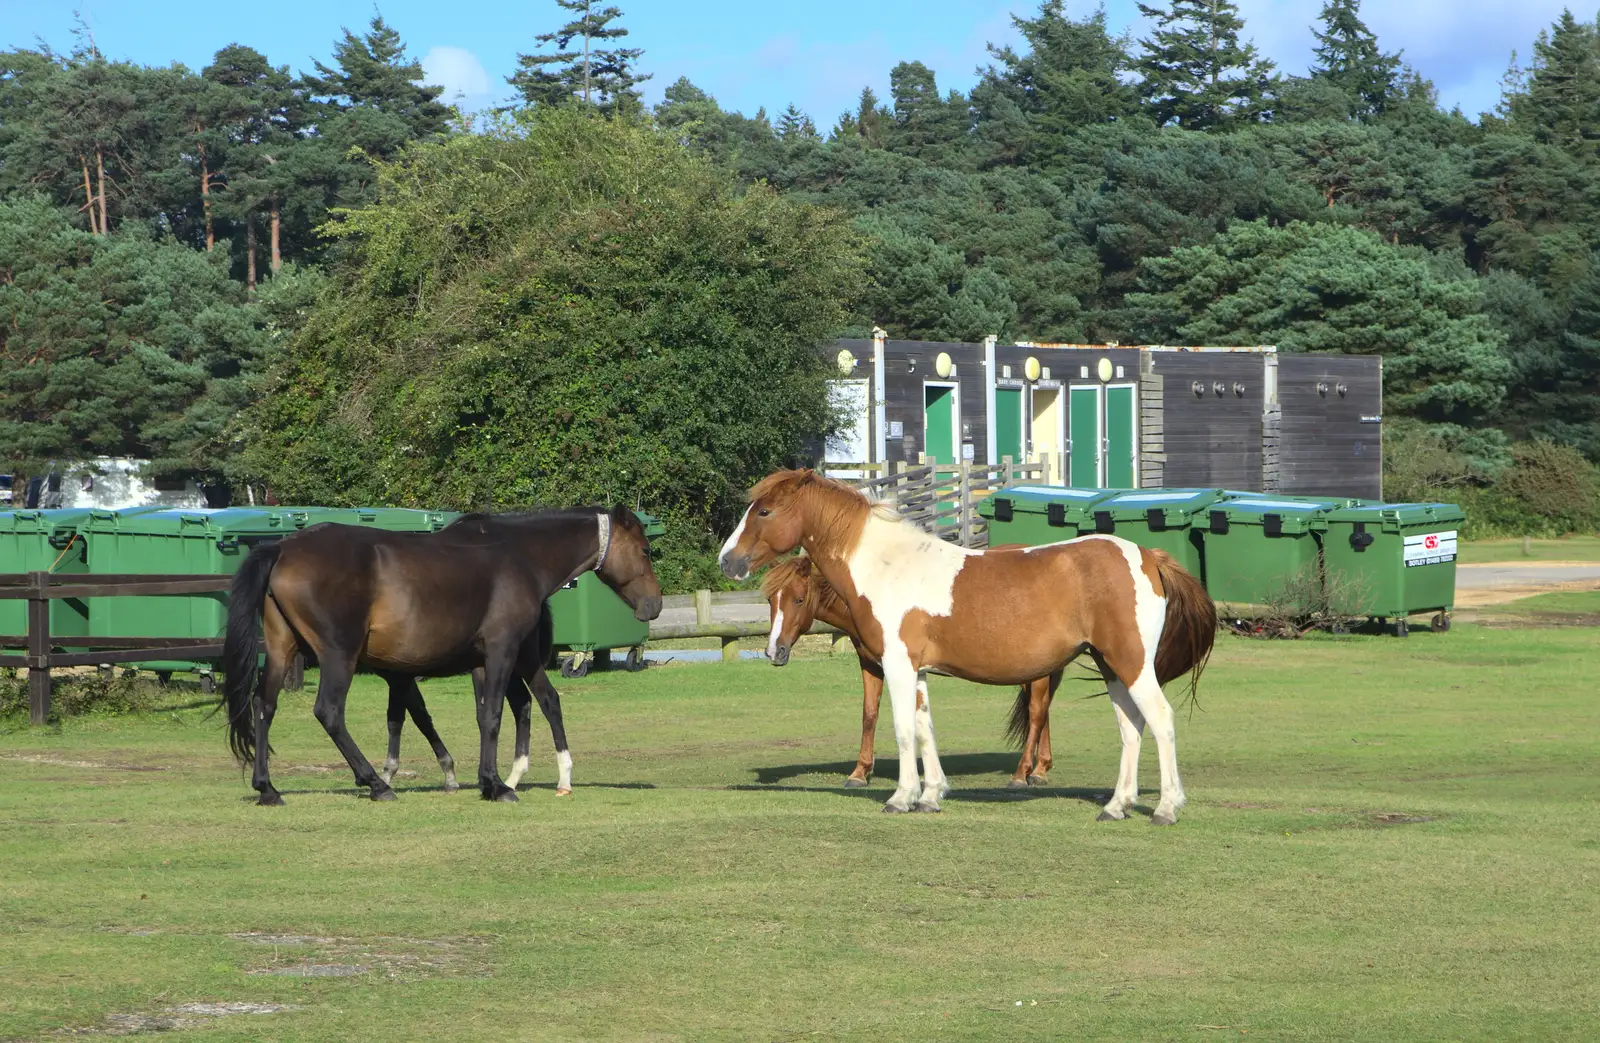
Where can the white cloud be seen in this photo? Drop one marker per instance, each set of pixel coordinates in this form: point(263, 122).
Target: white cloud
point(460, 73)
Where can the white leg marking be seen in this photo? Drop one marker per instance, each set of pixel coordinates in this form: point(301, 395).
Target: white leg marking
point(389, 766)
point(448, 764)
point(1150, 613)
point(934, 783)
point(563, 772)
point(900, 678)
point(1131, 724)
point(777, 631)
point(519, 768)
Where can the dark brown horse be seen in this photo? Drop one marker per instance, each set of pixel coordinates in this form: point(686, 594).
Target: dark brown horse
point(798, 594)
point(469, 598)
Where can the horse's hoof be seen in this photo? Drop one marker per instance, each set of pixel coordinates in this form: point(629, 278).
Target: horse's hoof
point(894, 809)
point(1106, 816)
point(928, 808)
point(855, 783)
point(1016, 784)
point(506, 796)
point(382, 793)
point(451, 787)
point(270, 799)
point(1163, 818)
point(1038, 780)
point(563, 792)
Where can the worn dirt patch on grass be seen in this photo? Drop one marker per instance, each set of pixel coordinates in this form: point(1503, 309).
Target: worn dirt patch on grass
point(315, 956)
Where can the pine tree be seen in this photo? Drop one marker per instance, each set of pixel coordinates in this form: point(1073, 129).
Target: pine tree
point(1195, 71)
point(598, 76)
point(924, 125)
point(1349, 58)
point(373, 73)
point(1070, 76)
point(1561, 105)
point(795, 126)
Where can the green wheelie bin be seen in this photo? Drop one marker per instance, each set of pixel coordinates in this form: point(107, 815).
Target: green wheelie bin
point(1036, 514)
point(176, 541)
point(1264, 551)
point(44, 541)
point(1161, 519)
point(589, 619)
point(1388, 561)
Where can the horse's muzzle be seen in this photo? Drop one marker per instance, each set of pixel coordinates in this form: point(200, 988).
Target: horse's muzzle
point(735, 566)
point(780, 655)
point(647, 609)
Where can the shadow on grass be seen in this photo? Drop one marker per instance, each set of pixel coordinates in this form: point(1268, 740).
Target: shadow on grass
point(956, 765)
point(465, 790)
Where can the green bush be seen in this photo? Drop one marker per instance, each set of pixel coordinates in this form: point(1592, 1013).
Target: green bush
point(79, 695)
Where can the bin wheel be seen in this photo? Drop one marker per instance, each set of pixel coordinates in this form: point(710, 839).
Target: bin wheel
point(1441, 623)
point(163, 677)
point(208, 683)
point(635, 660)
point(575, 665)
point(1400, 628)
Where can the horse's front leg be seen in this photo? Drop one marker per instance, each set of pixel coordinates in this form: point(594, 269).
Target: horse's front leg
point(935, 785)
point(900, 677)
point(489, 681)
point(871, 693)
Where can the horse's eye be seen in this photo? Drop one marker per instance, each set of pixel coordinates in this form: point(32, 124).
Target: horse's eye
point(763, 512)
point(800, 601)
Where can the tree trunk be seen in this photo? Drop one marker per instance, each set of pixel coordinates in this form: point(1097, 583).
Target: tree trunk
point(100, 163)
point(250, 253)
point(586, 53)
point(277, 258)
point(88, 197)
point(205, 200)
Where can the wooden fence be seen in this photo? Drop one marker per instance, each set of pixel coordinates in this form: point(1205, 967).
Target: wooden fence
point(941, 498)
point(41, 588)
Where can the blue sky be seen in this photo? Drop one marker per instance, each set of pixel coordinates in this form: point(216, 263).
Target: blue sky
point(817, 53)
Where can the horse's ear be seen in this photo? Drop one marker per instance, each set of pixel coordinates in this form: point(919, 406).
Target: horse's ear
point(802, 567)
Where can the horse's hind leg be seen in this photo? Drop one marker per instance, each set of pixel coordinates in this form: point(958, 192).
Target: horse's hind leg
point(1146, 693)
point(338, 669)
point(522, 713)
point(1130, 722)
point(281, 649)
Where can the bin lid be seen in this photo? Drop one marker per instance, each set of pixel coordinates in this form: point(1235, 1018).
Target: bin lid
point(1037, 499)
point(394, 519)
point(653, 526)
point(199, 522)
point(1177, 505)
point(1401, 515)
point(42, 520)
point(1273, 514)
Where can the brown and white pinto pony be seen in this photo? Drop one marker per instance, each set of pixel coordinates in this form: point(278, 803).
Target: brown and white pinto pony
point(1002, 617)
point(798, 595)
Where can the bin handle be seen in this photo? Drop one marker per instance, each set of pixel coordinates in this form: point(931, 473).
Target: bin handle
point(1361, 539)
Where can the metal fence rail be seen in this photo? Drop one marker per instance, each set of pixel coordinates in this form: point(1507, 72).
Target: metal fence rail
point(940, 498)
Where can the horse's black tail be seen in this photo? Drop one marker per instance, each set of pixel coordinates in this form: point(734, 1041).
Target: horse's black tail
point(240, 660)
point(1017, 727)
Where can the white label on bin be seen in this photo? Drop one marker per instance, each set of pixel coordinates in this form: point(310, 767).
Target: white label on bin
point(1433, 548)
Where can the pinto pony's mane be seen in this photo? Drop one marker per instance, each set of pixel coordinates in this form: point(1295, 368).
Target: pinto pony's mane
point(818, 589)
point(837, 509)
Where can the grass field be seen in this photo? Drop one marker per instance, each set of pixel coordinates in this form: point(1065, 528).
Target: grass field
point(1386, 840)
point(1570, 548)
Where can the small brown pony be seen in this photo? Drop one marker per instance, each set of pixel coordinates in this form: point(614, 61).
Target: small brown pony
point(1001, 617)
point(798, 594)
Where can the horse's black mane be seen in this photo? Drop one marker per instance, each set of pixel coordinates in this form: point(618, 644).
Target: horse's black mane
point(531, 516)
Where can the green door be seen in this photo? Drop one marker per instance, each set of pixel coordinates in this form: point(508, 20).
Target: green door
point(1007, 424)
point(939, 424)
point(1083, 427)
point(1119, 437)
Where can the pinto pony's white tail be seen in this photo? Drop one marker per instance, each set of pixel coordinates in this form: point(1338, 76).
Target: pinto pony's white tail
point(1190, 628)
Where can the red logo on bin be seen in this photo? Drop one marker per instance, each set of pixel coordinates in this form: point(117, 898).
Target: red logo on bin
point(1431, 542)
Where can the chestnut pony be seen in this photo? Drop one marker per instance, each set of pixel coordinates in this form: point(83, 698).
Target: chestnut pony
point(1000, 617)
point(798, 594)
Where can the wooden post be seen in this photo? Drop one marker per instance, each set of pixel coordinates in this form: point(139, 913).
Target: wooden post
point(964, 504)
point(294, 677)
point(702, 607)
point(840, 643)
point(1527, 546)
point(730, 649)
point(39, 648)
